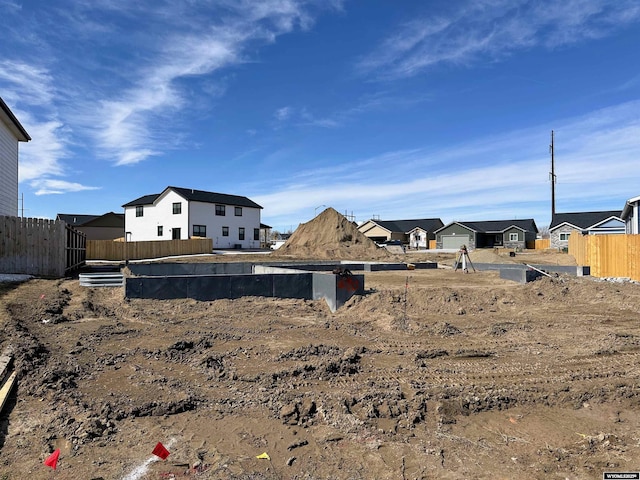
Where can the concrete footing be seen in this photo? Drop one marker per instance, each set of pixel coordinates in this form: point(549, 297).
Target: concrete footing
point(212, 281)
point(234, 280)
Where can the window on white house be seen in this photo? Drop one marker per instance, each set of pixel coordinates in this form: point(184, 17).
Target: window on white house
point(256, 234)
point(139, 211)
point(564, 237)
point(177, 208)
point(225, 231)
point(241, 233)
point(159, 230)
point(220, 210)
point(513, 237)
point(238, 211)
point(199, 230)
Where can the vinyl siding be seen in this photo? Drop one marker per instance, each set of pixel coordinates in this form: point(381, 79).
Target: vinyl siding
point(8, 172)
point(193, 213)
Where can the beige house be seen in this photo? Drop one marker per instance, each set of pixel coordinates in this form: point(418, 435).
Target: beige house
point(411, 232)
point(11, 133)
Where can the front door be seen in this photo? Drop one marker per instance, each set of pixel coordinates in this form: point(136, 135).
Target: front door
point(175, 235)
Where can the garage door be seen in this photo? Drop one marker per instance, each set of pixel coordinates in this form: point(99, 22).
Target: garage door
point(454, 241)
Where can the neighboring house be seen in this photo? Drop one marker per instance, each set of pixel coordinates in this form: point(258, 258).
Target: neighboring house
point(493, 233)
point(418, 231)
point(265, 235)
point(231, 221)
point(96, 227)
point(11, 132)
point(586, 223)
point(631, 215)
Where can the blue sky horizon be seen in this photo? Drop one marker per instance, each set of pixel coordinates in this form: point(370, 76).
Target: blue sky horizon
point(428, 109)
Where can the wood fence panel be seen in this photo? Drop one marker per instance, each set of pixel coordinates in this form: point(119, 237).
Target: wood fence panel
point(616, 256)
point(633, 255)
point(432, 244)
point(607, 255)
point(542, 243)
point(33, 246)
point(121, 251)
point(578, 247)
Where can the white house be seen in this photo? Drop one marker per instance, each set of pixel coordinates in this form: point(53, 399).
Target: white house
point(231, 221)
point(11, 132)
point(630, 215)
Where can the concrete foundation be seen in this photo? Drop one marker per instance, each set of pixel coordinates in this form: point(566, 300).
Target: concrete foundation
point(225, 280)
point(519, 275)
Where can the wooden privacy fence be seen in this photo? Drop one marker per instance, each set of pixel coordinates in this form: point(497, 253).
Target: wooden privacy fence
point(121, 251)
point(607, 255)
point(38, 246)
point(542, 243)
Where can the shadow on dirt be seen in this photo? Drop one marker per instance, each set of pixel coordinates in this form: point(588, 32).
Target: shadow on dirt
point(12, 400)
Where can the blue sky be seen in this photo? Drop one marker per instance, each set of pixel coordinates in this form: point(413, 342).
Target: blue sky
point(413, 109)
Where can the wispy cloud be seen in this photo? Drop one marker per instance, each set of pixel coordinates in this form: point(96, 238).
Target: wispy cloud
point(128, 129)
point(595, 158)
point(26, 84)
point(283, 114)
point(51, 186)
point(494, 29)
point(378, 101)
point(133, 90)
point(29, 89)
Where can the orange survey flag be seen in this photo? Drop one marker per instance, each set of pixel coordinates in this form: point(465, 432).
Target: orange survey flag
point(160, 451)
point(52, 460)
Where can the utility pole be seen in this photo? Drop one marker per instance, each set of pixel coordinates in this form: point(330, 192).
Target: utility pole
point(552, 177)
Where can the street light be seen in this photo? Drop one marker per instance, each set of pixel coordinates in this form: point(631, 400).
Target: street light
point(316, 210)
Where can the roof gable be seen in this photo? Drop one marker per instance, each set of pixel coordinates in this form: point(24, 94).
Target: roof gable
point(75, 220)
point(112, 220)
point(583, 220)
point(8, 118)
point(405, 226)
point(608, 223)
point(107, 220)
point(498, 226)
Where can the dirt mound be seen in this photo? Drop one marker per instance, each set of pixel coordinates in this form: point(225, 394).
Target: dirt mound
point(331, 236)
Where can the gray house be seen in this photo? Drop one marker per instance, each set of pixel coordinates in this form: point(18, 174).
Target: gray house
point(586, 223)
point(630, 215)
point(487, 234)
point(96, 227)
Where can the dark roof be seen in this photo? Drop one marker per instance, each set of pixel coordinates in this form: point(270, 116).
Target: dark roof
point(264, 225)
point(497, 226)
point(144, 200)
point(75, 219)
point(583, 219)
point(198, 196)
point(404, 226)
point(17, 129)
point(78, 220)
point(111, 220)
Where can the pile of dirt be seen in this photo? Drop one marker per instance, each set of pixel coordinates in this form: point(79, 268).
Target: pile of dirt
point(331, 236)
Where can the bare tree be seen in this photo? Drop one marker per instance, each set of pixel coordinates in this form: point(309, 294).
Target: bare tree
point(544, 231)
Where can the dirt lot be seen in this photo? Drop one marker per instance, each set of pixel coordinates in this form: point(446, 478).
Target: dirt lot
point(431, 374)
